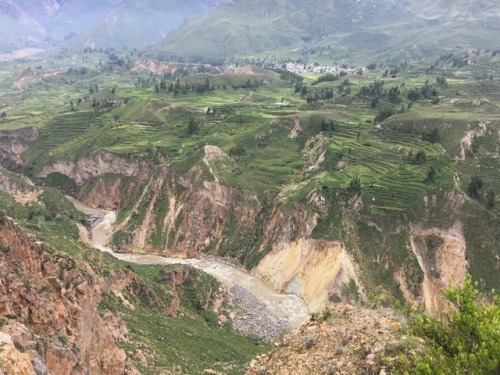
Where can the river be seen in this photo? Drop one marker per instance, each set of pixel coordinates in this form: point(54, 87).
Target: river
point(260, 310)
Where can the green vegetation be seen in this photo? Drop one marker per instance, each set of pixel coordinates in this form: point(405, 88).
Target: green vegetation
point(465, 340)
point(193, 340)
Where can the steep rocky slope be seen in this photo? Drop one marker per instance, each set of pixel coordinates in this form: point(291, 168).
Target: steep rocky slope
point(13, 144)
point(49, 308)
point(79, 311)
point(95, 24)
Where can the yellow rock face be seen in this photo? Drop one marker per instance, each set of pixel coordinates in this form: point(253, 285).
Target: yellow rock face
point(312, 269)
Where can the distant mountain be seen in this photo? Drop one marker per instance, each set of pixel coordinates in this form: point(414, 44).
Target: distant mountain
point(75, 16)
point(98, 23)
point(33, 22)
point(139, 23)
point(18, 26)
point(356, 29)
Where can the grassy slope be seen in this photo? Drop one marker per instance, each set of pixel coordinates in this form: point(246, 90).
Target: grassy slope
point(193, 341)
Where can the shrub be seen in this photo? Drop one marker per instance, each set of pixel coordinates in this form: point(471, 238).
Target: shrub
point(4, 248)
point(309, 342)
point(475, 186)
point(466, 340)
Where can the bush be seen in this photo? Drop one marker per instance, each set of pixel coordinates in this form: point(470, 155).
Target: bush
point(4, 248)
point(466, 340)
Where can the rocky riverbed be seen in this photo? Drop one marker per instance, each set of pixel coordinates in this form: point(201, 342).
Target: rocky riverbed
point(258, 309)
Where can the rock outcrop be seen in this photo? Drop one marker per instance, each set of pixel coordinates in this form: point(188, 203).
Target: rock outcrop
point(346, 340)
point(13, 362)
point(93, 166)
point(441, 256)
point(48, 301)
point(14, 143)
point(208, 294)
point(19, 187)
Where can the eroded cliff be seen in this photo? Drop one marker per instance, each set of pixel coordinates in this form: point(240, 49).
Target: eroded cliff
point(316, 247)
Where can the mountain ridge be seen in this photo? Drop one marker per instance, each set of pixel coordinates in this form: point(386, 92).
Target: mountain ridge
point(102, 24)
point(335, 29)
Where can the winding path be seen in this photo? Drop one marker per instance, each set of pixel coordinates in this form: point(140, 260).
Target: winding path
point(260, 309)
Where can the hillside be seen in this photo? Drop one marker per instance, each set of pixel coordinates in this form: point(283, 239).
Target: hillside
point(99, 24)
point(70, 309)
point(18, 26)
point(138, 23)
point(340, 30)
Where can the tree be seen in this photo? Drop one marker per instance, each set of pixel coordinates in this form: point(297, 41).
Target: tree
point(384, 114)
point(192, 126)
point(238, 150)
point(413, 95)
point(474, 146)
point(420, 157)
point(354, 188)
point(431, 136)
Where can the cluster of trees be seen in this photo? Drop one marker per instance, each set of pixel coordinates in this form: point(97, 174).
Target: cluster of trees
point(178, 87)
point(392, 73)
point(427, 91)
point(373, 90)
point(376, 92)
point(83, 71)
point(384, 114)
point(329, 77)
point(290, 77)
point(320, 123)
point(237, 151)
point(431, 136)
point(313, 95)
point(93, 89)
point(419, 158)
